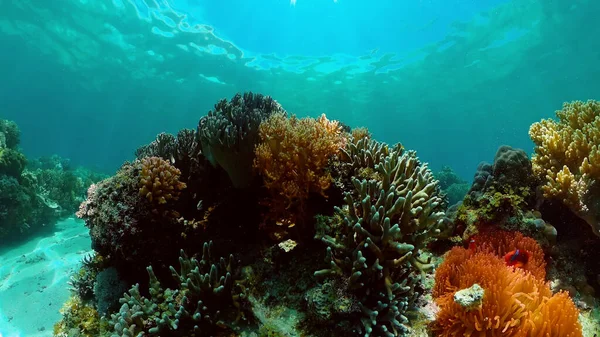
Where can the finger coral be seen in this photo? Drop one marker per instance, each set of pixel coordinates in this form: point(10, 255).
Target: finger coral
point(291, 157)
point(385, 225)
point(515, 301)
point(159, 180)
point(207, 297)
point(567, 155)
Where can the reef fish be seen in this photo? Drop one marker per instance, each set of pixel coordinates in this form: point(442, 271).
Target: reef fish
point(516, 258)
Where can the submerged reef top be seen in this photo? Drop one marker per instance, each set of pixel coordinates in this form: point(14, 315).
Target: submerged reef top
point(260, 223)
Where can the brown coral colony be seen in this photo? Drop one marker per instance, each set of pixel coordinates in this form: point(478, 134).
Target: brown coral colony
point(159, 180)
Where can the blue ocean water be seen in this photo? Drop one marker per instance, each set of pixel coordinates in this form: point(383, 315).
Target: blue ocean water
point(91, 80)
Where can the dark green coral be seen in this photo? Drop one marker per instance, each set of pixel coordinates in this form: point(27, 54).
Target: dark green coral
point(10, 135)
point(229, 133)
point(386, 223)
point(207, 298)
point(12, 162)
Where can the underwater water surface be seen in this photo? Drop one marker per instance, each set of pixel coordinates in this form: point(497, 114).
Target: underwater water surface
point(87, 85)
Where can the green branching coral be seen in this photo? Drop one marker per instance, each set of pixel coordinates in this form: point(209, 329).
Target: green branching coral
point(10, 135)
point(378, 247)
point(207, 298)
point(229, 133)
point(365, 153)
point(12, 162)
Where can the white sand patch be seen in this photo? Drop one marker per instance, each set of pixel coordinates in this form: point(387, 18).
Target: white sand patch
point(34, 276)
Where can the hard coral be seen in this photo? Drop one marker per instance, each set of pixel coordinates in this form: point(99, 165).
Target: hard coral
point(125, 226)
point(567, 156)
point(206, 299)
point(10, 135)
point(229, 133)
point(159, 180)
point(515, 302)
point(386, 224)
point(12, 162)
point(291, 157)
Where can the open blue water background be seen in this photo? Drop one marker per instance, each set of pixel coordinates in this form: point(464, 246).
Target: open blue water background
point(453, 79)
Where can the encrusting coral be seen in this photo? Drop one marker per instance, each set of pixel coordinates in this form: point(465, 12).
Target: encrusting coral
point(159, 180)
point(385, 226)
point(292, 156)
point(516, 301)
point(567, 156)
point(229, 133)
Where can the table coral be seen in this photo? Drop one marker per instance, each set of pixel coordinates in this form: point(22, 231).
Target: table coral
point(567, 155)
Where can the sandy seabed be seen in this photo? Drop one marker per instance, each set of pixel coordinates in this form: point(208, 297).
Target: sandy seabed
point(34, 276)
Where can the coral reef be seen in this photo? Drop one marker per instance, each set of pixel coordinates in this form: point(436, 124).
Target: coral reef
point(291, 156)
point(453, 186)
point(515, 301)
point(78, 319)
point(12, 162)
point(159, 180)
point(567, 157)
point(229, 133)
point(503, 195)
point(204, 302)
point(33, 198)
point(108, 289)
point(373, 212)
point(379, 246)
point(10, 135)
point(125, 225)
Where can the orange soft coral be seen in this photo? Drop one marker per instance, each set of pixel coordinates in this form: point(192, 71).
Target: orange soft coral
point(159, 180)
point(501, 242)
point(515, 302)
point(291, 157)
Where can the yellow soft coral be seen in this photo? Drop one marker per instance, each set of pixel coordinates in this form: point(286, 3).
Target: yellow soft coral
point(291, 157)
point(80, 317)
point(567, 156)
point(159, 180)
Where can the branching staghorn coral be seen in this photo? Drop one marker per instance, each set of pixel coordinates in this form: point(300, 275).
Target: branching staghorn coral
point(292, 156)
point(159, 180)
point(384, 228)
point(207, 298)
point(229, 133)
point(567, 155)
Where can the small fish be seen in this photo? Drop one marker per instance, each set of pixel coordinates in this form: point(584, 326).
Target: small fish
point(472, 245)
point(516, 258)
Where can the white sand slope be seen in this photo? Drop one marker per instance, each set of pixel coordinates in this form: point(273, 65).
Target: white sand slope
point(34, 276)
